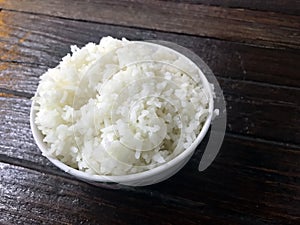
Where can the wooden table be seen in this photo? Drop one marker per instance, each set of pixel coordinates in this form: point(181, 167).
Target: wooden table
point(253, 49)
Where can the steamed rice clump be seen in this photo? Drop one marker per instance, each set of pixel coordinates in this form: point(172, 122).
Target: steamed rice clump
point(120, 107)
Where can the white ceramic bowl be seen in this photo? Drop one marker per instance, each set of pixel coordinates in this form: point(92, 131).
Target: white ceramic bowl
point(151, 176)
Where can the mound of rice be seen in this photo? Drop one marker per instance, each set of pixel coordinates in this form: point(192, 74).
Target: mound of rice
point(120, 107)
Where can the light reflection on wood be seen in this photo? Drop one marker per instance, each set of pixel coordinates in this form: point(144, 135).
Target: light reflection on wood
point(8, 54)
point(6, 95)
point(12, 53)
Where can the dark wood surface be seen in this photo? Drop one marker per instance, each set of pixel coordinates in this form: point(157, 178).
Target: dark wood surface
point(253, 47)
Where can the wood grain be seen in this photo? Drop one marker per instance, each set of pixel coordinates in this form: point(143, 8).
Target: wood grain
point(43, 40)
point(55, 200)
point(20, 78)
point(244, 168)
point(52, 199)
point(240, 25)
point(253, 49)
point(249, 183)
point(286, 7)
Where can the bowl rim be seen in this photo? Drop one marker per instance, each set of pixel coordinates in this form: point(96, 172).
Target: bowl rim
point(38, 137)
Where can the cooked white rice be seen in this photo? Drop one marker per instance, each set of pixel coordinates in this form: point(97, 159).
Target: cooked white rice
point(120, 107)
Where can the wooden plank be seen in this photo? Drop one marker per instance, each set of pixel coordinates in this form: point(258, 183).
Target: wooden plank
point(262, 111)
point(22, 78)
point(15, 133)
point(287, 6)
point(55, 200)
point(252, 181)
point(254, 109)
point(263, 178)
point(249, 183)
point(244, 165)
point(44, 40)
point(263, 28)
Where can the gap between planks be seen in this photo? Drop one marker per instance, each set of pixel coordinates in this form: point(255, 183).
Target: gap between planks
point(263, 8)
point(148, 192)
point(266, 40)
